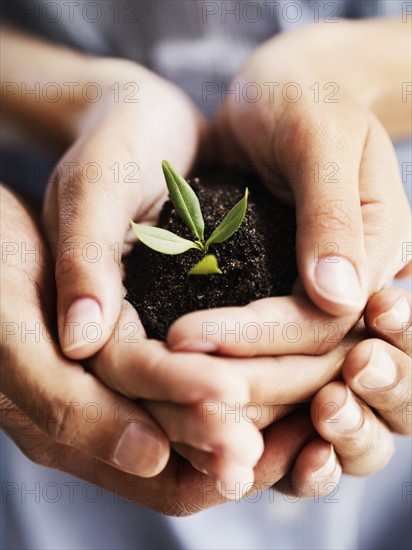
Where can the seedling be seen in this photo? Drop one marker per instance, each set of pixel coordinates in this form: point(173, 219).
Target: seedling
point(187, 206)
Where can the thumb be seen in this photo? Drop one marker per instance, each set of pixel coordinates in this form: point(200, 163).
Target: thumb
point(73, 407)
point(332, 258)
point(316, 155)
point(89, 227)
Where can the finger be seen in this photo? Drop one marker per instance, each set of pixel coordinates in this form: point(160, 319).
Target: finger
point(222, 429)
point(140, 368)
point(341, 194)
point(380, 374)
point(283, 442)
point(270, 384)
point(272, 326)
point(385, 209)
point(316, 472)
point(221, 472)
point(332, 258)
point(179, 490)
point(73, 408)
point(323, 144)
point(224, 446)
point(360, 439)
point(388, 315)
point(212, 463)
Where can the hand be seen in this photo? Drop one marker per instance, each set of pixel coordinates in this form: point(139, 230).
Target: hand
point(68, 441)
point(179, 490)
point(63, 417)
point(70, 409)
point(352, 226)
point(357, 422)
point(120, 146)
point(376, 399)
point(91, 197)
point(59, 395)
point(78, 214)
point(359, 418)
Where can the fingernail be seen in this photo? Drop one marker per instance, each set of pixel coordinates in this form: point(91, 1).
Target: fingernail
point(396, 318)
point(380, 371)
point(338, 282)
point(195, 347)
point(329, 467)
point(349, 417)
point(138, 450)
point(76, 334)
point(238, 481)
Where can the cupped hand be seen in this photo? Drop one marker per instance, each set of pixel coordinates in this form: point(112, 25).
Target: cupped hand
point(78, 425)
point(63, 417)
point(72, 407)
point(278, 388)
point(355, 415)
point(329, 156)
point(109, 175)
point(86, 215)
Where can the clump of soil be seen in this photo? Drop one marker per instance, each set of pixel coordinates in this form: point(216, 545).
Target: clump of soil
point(258, 261)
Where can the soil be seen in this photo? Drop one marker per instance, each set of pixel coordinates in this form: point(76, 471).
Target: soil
point(258, 261)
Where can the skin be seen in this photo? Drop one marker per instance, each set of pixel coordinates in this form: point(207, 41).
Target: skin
point(294, 457)
point(333, 212)
point(75, 213)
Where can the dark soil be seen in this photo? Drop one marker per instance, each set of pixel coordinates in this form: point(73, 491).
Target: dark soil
point(258, 261)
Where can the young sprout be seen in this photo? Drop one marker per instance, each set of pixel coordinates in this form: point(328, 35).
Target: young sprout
point(187, 205)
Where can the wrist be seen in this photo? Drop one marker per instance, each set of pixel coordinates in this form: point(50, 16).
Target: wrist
point(109, 81)
point(126, 88)
point(367, 61)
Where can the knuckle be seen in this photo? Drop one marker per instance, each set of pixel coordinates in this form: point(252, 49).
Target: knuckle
point(185, 497)
point(39, 453)
point(70, 257)
point(60, 425)
point(33, 443)
point(372, 447)
point(241, 385)
point(157, 365)
point(43, 453)
point(108, 365)
point(398, 412)
point(377, 454)
point(331, 343)
point(180, 509)
point(68, 176)
point(335, 216)
point(324, 347)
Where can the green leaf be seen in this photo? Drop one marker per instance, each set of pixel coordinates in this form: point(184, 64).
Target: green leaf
point(161, 240)
point(230, 223)
point(184, 200)
point(206, 266)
